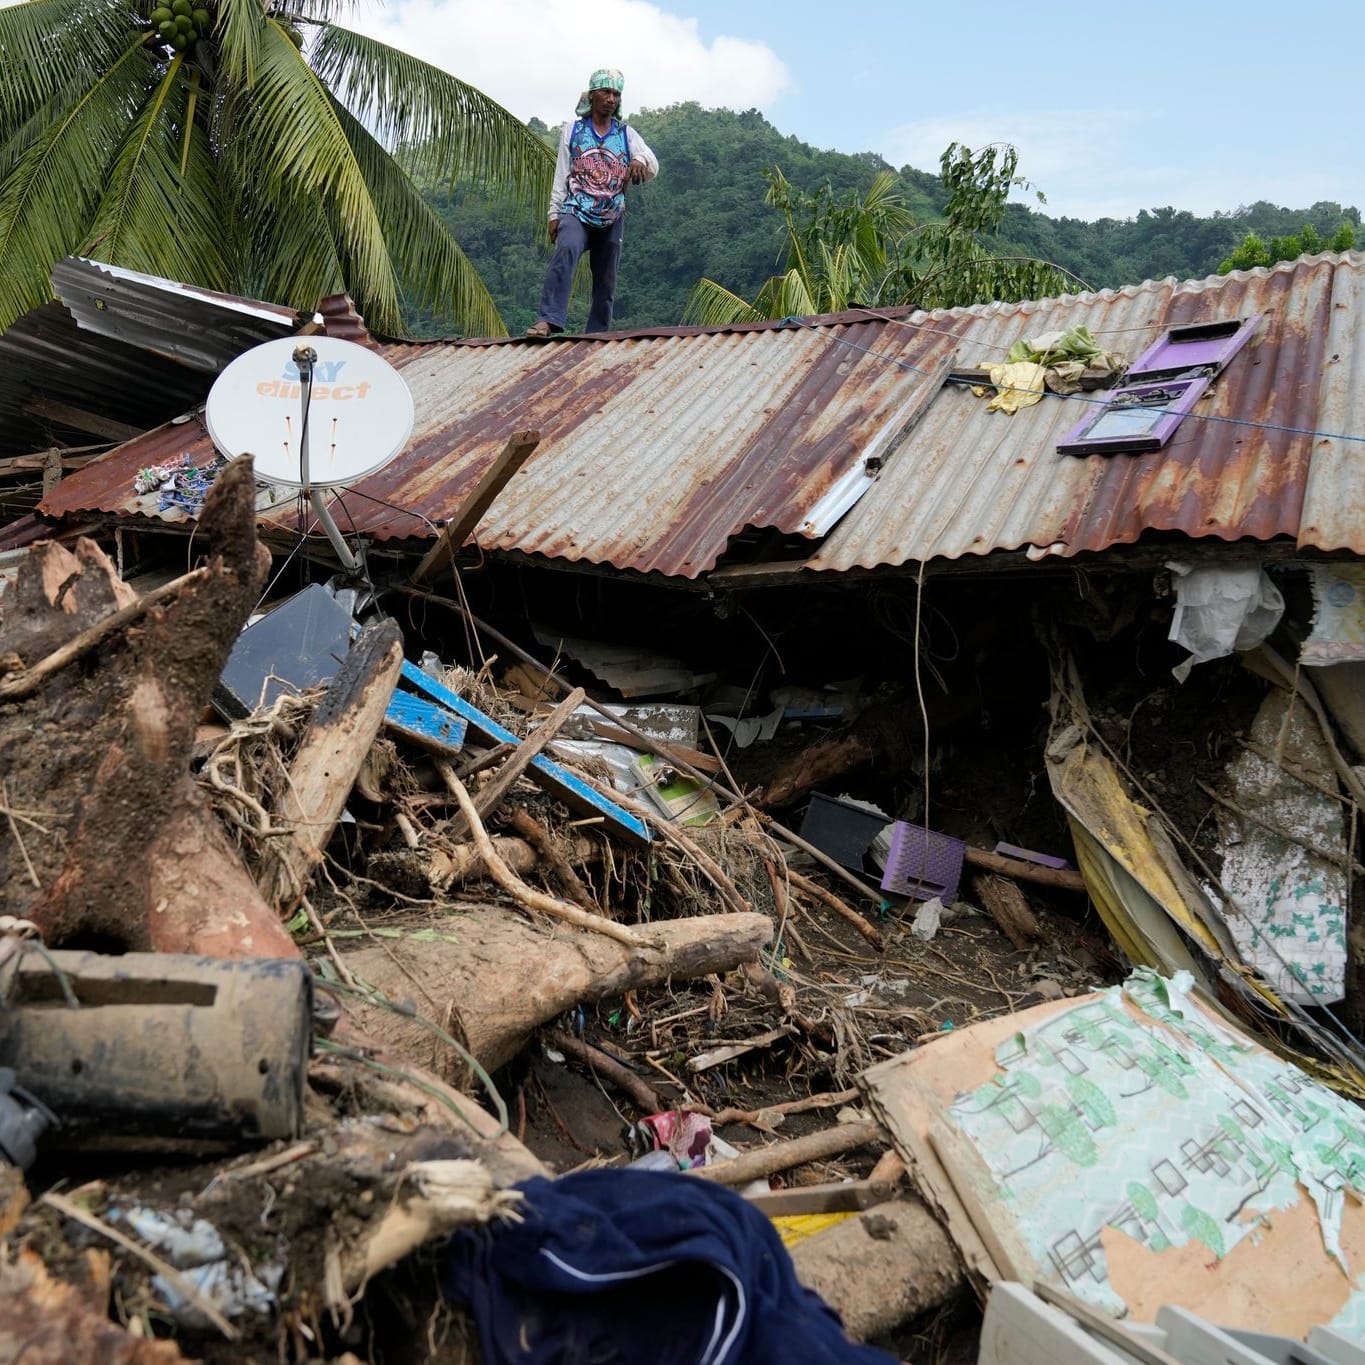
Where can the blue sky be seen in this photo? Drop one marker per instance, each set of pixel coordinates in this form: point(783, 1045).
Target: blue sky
point(1204, 105)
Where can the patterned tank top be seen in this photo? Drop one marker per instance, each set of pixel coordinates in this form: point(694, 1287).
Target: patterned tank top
point(598, 170)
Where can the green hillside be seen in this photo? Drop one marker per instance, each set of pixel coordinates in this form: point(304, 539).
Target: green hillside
point(705, 215)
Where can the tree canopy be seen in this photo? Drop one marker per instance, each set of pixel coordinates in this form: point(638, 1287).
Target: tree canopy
point(246, 147)
point(845, 251)
point(706, 216)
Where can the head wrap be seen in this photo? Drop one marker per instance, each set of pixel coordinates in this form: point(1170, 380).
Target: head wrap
point(604, 78)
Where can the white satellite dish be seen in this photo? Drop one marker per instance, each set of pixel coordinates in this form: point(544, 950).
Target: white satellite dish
point(316, 413)
point(359, 417)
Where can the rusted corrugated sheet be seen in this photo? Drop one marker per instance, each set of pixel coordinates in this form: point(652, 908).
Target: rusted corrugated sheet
point(971, 481)
point(657, 448)
point(122, 346)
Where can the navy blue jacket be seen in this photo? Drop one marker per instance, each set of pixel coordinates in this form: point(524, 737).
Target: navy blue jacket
point(622, 1267)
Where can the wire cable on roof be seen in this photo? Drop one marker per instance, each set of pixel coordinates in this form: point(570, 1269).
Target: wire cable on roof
point(1076, 397)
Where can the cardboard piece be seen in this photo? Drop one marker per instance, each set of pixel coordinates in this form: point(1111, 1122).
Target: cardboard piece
point(1133, 1148)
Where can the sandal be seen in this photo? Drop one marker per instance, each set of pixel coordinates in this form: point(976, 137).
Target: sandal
point(540, 330)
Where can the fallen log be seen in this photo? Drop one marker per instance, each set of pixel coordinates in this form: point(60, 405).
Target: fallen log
point(328, 761)
point(501, 978)
point(1008, 907)
point(106, 839)
point(882, 1268)
point(1064, 877)
point(782, 1156)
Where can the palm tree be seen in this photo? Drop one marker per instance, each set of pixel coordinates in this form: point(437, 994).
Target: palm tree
point(251, 146)
point(847, 252)
point(838, 250)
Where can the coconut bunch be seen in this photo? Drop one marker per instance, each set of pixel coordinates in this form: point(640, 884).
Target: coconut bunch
point(179, 24)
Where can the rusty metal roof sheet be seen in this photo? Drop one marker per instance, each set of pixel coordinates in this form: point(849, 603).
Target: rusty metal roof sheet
point(659, 447)
point(122, 348)
point(1243, 465)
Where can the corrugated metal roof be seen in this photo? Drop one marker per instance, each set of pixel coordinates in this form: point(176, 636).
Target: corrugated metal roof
point(121, 347)
point(658, 447)
point(971, 481)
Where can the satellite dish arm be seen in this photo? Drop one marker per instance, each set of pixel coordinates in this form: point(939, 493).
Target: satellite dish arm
point(305, 357)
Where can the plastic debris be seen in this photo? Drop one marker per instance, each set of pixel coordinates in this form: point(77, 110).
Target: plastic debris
point(927, 919)
point(1221, 608)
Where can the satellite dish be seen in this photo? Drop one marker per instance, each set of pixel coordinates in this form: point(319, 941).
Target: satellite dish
point(359, 416)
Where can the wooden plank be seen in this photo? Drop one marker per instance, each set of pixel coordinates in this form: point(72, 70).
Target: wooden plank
point(80, 419)
point(424, 721)
point(459, 528)
point(548, 774)
point(328, 760)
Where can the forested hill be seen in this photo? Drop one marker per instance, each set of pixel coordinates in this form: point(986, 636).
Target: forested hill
point(705, 215)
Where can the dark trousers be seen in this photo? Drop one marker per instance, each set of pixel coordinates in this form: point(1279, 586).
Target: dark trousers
point(603, 245)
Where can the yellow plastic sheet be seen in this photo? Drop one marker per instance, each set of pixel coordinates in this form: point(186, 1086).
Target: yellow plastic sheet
point(796, 1227)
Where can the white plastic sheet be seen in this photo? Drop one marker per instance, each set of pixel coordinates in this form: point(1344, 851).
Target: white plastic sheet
point(1221, 608)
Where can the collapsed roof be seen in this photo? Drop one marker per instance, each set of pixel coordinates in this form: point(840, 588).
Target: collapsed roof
point(659, 447)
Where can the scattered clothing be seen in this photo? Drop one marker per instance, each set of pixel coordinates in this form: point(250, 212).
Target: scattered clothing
point(612, 1267)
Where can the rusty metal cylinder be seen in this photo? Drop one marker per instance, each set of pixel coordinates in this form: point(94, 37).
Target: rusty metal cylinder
point(157, 1051)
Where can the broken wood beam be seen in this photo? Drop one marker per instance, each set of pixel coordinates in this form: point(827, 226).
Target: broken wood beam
point(503, 977)
point(78, 418)
point(490, 796)
point(328, 761)
point(782, 1156)
point(1021, 871)
point(1008, 907)
point(470, 512)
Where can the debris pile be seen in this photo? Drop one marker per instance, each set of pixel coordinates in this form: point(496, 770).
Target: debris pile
point(361, 1017)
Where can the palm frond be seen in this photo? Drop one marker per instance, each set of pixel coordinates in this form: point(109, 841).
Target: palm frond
point(450, 130)
point(47, 200)
point(787, 296)
point(288, 144)
point(712, 305)
point(238, 36)
point(153, 217)
point(432, 266)
point(289, 251)
point(48, 48)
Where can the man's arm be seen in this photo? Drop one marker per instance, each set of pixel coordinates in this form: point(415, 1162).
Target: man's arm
point(561, 181)
point(644, 165)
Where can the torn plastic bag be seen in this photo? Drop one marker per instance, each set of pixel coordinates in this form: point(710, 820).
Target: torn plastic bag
point(1221, 608)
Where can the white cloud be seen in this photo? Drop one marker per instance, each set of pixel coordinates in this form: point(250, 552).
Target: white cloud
point(1111, 162)
point(534, 56)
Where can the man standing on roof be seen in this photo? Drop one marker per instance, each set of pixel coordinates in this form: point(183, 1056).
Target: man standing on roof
point(598, 156)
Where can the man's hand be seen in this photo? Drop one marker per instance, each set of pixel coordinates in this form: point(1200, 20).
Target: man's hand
point(637, 172)
point(554, 229)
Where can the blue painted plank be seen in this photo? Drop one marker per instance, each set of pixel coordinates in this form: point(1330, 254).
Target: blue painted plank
point(418, 716)
point(545, 771)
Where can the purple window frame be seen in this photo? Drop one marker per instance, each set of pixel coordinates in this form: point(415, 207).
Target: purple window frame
point(1174, 398)
point(1182, 364)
